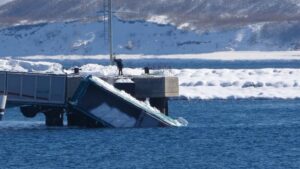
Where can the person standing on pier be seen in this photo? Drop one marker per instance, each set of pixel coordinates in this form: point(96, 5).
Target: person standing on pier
point(119, 64)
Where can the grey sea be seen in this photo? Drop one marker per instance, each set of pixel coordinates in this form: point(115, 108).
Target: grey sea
point(221, 134)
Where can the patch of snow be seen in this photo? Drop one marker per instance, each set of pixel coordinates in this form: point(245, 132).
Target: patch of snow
point(160, 19)
point(239, 37)
point(225, 15)
point(184, 26)
point(80, 42)
point(27, 66)
point(124, 80)
point(110, 71)
point(113, 116)
point(256, 27)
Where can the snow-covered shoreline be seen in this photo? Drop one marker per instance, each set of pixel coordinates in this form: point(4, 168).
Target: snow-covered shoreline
point(29, 66)
point(203, 84)
point(220, 56)
point(239, 84)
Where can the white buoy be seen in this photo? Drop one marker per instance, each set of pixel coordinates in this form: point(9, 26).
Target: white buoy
point(3, 99)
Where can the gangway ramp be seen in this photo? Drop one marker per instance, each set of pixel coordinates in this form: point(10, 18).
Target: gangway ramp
point(33, 88)
point(114, 108)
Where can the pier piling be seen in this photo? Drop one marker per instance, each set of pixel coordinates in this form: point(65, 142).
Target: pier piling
point(54, 117)
point(3, 99)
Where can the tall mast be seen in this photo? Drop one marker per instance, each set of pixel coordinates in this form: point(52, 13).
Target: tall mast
point(110, 31)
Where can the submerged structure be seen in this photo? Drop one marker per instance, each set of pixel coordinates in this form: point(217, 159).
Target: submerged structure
point(111, 107)
point(107, 102)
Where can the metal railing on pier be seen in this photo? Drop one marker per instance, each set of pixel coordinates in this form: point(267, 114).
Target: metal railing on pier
point(33, 88)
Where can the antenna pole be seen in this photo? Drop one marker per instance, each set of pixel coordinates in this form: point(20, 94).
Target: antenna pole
point(110, 31)
point(104, 22)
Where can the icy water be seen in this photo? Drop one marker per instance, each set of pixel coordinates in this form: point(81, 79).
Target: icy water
point(221, 134)
point(212, 64)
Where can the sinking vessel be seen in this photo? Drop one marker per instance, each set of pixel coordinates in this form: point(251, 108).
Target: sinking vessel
point(110, 107)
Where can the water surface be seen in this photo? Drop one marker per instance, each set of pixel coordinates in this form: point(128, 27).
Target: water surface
point(221, 134)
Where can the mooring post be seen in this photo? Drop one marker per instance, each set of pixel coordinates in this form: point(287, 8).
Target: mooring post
point(3, 99)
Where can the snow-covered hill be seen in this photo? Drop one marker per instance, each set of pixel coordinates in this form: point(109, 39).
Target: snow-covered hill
point(74, 27)
point(3, 2)
point(89, 39)
point(140, 37)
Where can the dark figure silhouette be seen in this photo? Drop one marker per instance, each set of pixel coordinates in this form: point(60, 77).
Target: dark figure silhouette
point(119, 64)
